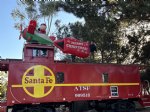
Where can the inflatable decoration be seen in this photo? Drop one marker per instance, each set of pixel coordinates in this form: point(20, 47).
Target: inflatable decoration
point(53, 38)
point(73, 46)
point(30, 34)
point(42, 28)
point(67, 45)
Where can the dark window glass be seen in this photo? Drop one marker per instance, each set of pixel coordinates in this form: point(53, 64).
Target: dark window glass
point(105, 77)
point(39, 52)
point(59, 77)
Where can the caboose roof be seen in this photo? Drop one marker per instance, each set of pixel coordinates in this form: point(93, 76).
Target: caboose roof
point(4, 63)
point(38, 46)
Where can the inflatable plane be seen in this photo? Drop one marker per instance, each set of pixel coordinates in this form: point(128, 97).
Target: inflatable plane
point(68, 45)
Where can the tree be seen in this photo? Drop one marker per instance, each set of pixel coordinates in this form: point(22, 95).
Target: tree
point(28, 10)
point(3, 85)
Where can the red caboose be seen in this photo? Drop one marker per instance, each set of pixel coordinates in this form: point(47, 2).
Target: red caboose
point(38, 83)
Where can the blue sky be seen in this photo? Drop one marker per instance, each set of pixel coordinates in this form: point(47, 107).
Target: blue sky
point(10, 45)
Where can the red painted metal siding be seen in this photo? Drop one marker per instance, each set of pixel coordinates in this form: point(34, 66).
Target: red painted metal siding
point(81, 82)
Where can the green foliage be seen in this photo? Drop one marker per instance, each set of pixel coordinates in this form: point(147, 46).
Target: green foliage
point(29, 9)
point(25, 11)
point(145, 55)
point(3, 85)
point(145, 74)
point(47, 8)
point(136, 9)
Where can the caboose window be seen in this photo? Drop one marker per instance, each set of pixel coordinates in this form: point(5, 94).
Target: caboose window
point(105, 77)
point(39, 52)
point(43, 52)
point(59, 77)
point(35, 52)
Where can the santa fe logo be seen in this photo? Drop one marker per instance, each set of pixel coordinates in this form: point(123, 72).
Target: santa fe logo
point(40, 78)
